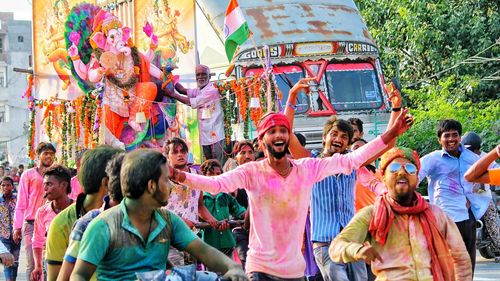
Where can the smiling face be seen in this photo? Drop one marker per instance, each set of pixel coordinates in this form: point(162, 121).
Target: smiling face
point(336, 141)
point(276, 141)
point(450, 141)
point(46, 158)
point(401, 183)
point(202, 78)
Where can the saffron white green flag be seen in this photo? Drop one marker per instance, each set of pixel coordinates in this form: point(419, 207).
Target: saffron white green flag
point(236, 30)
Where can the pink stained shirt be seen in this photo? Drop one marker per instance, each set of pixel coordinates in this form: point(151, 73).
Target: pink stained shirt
point(43, 218)
point(29, 197)
point(76, 188)
point(278, 206)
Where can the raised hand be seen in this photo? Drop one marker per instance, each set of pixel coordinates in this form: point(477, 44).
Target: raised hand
point(394, 95)
point(303, 84)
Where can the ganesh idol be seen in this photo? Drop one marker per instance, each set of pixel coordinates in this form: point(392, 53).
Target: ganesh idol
point(122, 70)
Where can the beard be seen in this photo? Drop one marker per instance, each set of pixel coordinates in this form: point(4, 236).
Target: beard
point(404, 197)
point(276, 154)
point(158, 197)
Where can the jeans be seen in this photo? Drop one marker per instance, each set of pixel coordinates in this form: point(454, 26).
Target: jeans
point(27, 237)
point(467, 230)
point(336, 271)
point(241, 237)
point(10, 272)
point(259, 276)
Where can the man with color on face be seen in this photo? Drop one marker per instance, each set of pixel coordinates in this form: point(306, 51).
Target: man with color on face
point(279, 191)
point(332, 200)
point(56, 187)
point(447, 187)
point(206, 99)
point(136, 235)
point(30, 198)
point(402, 236)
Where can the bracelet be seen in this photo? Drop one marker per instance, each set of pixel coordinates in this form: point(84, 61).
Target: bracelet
point(74, 58)
point(292, 106)
point(396, 109)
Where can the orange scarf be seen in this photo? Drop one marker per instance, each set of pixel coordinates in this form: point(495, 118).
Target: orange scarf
point(386, 208)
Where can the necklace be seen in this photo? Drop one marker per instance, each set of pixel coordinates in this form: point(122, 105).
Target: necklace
point(285, 171)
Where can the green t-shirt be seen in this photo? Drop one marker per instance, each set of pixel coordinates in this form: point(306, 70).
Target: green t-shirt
point(221, 207)
point(127, 253)
point(58, 235)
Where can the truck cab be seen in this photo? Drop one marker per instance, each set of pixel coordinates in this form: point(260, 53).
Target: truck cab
point(327, 40)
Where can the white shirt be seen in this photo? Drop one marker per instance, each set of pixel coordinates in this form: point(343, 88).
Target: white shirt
point(3, 249)
point(210, 115)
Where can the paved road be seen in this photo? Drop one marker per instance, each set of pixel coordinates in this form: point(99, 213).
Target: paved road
point(486, 270)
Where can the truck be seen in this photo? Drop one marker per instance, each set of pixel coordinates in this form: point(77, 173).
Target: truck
point(327, 40)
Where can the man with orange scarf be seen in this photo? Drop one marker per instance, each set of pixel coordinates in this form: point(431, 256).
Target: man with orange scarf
point(401, 235)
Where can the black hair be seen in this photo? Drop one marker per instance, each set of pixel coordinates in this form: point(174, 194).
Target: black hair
point(209, 166)
point(61, 173)
point(138, 168)
point(341, 124)
point(448, 125)
point(301, 138)
point(113, 171)
point(176, 142)
point(93, 167)
point(20, 166)
point(7, 178)
point(239, 146)
point(356, 122)
point(44, 146)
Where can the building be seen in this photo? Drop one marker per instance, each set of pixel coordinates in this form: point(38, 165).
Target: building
point(15, 51)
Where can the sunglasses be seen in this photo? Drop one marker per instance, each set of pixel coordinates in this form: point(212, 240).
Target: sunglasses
point(409, 168)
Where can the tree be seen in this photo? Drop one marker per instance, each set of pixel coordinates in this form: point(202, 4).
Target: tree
point(445, 52)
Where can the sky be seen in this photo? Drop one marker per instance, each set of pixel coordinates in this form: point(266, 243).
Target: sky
point(21, 8)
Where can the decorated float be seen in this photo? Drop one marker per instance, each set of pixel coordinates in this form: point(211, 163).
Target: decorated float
point(98, 81)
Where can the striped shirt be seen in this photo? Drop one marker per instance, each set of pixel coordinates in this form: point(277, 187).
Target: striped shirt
point(332, 206)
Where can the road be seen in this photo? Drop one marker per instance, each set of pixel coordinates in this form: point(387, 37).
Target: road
point(486, 270)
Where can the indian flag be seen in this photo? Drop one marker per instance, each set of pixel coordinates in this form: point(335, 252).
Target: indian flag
point(236, 30)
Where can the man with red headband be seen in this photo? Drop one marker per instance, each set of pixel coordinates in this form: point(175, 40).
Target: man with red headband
point(279, 191)
point(206, 99)
point(402, 236)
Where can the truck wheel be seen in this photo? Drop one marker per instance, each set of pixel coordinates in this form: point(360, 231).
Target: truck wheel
point(486, 252)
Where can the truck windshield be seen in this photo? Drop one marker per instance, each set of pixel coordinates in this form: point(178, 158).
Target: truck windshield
point(286, 77)
point(353, 86)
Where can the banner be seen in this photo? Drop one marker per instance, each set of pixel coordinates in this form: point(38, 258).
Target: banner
point(165, 31)
point(53, 77)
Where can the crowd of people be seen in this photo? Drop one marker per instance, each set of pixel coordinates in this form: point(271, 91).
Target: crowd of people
point(263, 209)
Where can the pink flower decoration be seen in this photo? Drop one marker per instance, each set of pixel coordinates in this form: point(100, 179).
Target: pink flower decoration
point(126, 34)
point(148, 29)
point(154, 40)
point(74, 37)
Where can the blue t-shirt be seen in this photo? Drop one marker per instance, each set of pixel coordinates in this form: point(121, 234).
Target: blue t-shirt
point(127, 253)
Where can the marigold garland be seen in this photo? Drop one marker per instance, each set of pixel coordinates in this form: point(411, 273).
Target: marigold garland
point(31, 134)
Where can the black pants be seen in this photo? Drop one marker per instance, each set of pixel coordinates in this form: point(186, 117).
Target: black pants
point(259, 276)
point(467, 229)
point(241, 237)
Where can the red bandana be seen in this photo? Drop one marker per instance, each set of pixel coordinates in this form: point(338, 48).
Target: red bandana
point(271, 120)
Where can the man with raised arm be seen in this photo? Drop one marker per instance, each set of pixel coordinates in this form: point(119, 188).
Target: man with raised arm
point(279, 192)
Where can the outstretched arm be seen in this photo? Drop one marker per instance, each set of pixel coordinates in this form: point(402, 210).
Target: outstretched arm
point(216, 260)
point(227, 182)
point(296, 149)
point(479, 171)
point(181, 96)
